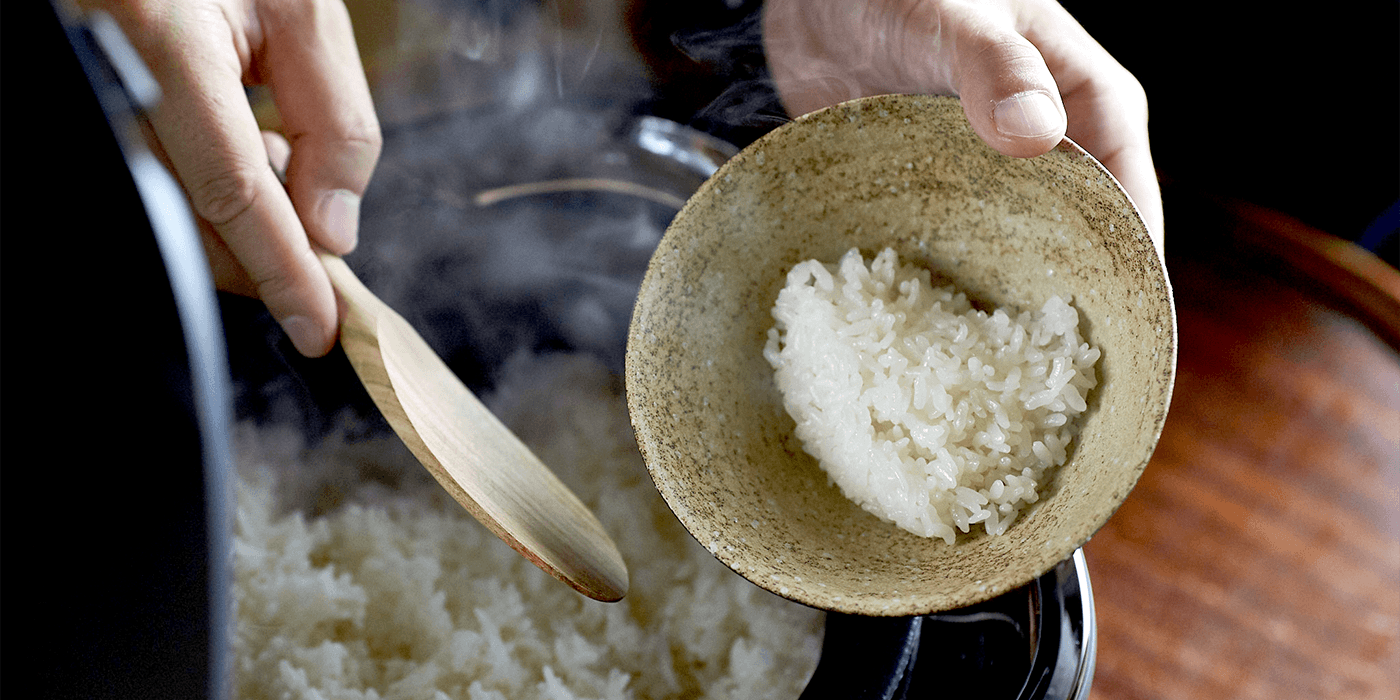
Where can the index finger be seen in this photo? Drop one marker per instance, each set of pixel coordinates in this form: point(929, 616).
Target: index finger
point(313, 68)
point(205, 126)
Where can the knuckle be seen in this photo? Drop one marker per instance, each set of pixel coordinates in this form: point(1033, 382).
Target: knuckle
point(1008, 48)
point(364, 137)
point(279, 281)
point(222, 196)
point(1130, 94)
point(348, 155)
point(273, 285)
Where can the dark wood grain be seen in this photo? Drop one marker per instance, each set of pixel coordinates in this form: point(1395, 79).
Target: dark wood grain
point(1259, 556)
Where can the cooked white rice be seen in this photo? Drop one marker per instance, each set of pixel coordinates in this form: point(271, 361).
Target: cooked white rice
point(927, 412)
point(358, 578)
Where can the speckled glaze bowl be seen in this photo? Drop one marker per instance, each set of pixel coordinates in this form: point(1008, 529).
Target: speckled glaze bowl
point(907, 172)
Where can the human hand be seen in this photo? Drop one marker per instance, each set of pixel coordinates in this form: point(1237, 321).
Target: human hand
point(1027, 74)
point(258, 233)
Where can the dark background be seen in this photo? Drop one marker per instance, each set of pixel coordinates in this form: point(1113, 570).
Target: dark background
point(1295, 107)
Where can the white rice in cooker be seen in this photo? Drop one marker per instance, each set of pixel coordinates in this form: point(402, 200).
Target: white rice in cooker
point(359, 578)
point(925, 411)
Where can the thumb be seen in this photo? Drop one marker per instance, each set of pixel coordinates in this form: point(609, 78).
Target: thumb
point(1007, 91)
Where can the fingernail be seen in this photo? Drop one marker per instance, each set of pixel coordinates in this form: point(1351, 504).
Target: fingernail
point(1027, 115)
point(340, 210)
point(305, 335)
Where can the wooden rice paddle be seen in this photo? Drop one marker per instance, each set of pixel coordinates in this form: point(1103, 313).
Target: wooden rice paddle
point(469, 451)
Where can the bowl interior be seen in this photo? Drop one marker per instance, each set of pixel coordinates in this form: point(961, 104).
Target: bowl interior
point(906, 172)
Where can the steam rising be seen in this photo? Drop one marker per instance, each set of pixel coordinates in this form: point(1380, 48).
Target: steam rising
point(533, 272)
point(479, 96)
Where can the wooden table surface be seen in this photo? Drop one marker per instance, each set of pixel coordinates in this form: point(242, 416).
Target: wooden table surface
point(1259, 556)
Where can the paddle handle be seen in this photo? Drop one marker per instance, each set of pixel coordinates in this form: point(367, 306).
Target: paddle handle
point(360, 300)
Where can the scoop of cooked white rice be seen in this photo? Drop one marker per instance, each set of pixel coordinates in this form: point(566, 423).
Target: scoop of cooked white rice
point(925, 411)
point(358, 578)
